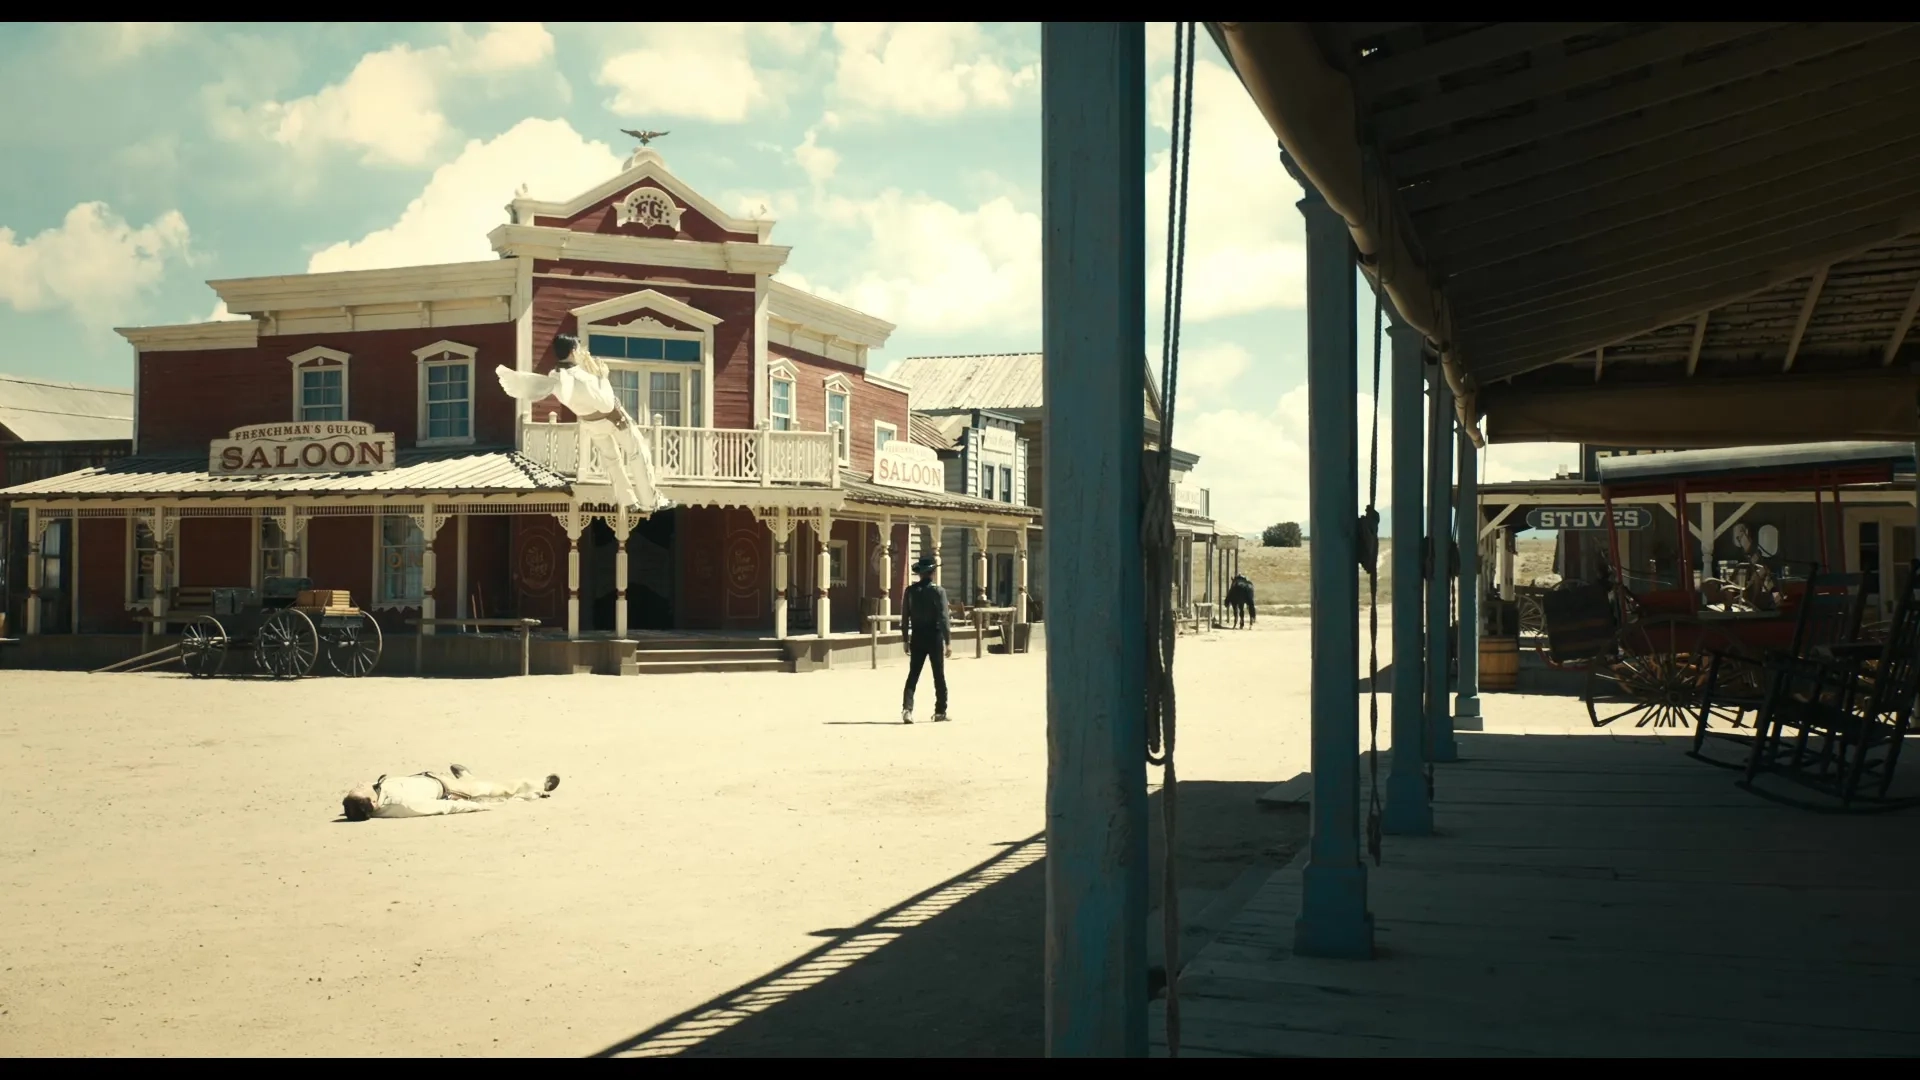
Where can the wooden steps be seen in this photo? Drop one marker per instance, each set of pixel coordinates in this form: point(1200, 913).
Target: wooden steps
point(680, 656)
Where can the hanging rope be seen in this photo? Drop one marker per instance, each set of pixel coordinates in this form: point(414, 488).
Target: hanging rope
point(1369, 544)
point(1156, 522)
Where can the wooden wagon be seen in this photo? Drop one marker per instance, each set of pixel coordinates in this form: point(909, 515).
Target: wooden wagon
point(287, 626)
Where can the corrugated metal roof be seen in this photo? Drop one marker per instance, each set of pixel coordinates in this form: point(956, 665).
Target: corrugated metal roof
point(861, 490)
point(929, 432)
point(42, 410)
point(416, 472)
point(989, 381)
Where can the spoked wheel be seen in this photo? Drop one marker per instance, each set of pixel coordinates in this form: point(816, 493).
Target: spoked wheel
point(287, 645)
point(203, 647)
point(1533, 618)
point(1657, 678)
point(353, 645)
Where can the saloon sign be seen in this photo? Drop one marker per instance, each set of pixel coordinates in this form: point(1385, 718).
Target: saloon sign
point(309, 446)
point(1625, 518)
point(909, 465)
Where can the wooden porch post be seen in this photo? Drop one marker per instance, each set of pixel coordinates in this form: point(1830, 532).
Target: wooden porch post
point(1020, 582)
point(623, 527)
point(823, 578)
point(36, 571)
point(429, 569)
point(1334, 920)
point(1093, 217)
point(1466, 523)
point(1408, 811)
point(1439, 536)
point(886, 565)
point(781, 530)
point(574, 526)
point(980, 596)
point(460, 601)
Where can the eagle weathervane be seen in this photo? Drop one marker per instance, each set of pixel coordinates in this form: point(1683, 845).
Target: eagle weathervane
point(645, 137)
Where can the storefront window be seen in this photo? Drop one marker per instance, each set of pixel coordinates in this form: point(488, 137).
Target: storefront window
point(146, 562)
point(402, 552)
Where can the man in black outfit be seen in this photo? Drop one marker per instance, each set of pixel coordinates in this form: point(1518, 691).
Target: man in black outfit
point(925, 631)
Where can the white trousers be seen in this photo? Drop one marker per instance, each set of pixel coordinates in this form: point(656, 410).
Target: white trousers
point(623, 454)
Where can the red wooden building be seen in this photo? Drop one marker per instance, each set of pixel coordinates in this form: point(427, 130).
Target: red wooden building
point(350, 430)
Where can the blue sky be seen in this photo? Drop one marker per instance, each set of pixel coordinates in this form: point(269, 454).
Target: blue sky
point(902, 162)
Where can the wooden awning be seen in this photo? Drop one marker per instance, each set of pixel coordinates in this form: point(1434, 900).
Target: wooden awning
point(1621, 212)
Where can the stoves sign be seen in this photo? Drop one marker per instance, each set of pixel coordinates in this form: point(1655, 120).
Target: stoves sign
point(307, 446)
point(1587, 518)
point(909, 465)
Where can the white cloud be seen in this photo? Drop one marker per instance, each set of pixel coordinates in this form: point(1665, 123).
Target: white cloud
point(389, 106)
point(221, 314)
point(93, 263)
point(818, 162)
point(700, 70)
point(466, 197)
point(1208, 372)
point(928, 264)
point(1160, 44)
point(923, 69)
point(1245, 248)
point(1504, 462)
point(125, 40)
point(1256, 464)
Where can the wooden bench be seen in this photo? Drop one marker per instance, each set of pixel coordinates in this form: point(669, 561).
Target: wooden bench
point(525, 626)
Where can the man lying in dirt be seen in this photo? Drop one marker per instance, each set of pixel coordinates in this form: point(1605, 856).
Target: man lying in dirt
point(429, 794)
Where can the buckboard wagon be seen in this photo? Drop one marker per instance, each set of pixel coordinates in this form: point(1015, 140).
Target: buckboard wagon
point(288, 627)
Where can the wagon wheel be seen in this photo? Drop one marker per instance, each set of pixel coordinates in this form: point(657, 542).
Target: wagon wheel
point(203, 647)
point(1658, 674)
point(287, 645)
point(1533, 619)
point(353, 647)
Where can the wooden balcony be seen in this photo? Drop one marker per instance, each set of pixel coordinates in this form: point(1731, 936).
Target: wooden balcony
point(702, 457)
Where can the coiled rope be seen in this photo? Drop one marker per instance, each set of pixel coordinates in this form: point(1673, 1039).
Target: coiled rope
point(1156, 521)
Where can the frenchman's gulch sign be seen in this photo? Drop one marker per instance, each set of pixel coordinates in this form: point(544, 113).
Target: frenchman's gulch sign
point(309, 446)
point(1625, 518)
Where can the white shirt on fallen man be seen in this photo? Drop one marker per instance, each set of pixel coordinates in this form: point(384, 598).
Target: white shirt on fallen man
point(430, 794)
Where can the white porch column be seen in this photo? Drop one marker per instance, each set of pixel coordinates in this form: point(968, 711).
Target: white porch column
point(253, 573)
point(823, 578)
point(574, 523)
point(159, 529)
point(980, 597)
point(296, 542)
point(622, 528)
point(429, 566)
point(35, 571)
point(1020, 580)
point(886, 566)
point(782, 529)
point(460, 565)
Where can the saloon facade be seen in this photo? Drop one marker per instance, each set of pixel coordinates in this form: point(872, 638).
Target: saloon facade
point(351, 430)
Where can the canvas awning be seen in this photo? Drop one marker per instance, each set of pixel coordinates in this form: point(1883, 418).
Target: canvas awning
point(1756, 468)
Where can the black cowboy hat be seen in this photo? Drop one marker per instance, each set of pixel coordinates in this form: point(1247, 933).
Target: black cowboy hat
point(924, 565)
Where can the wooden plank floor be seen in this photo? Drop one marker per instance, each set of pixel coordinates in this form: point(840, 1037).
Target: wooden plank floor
point(1589, 896)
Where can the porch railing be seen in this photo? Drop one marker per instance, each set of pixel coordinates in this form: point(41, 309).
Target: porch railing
point(698, 456)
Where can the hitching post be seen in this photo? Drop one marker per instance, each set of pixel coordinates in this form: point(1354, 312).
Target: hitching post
point(1408, 811)
point(1093, 303)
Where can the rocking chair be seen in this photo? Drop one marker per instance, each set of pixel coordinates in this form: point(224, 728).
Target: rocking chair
point(1857, 701)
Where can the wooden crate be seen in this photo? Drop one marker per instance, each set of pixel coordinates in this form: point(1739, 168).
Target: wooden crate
point(324, 598)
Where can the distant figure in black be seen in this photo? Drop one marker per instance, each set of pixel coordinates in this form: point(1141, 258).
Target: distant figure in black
point(1240, 601)
point(927, 635)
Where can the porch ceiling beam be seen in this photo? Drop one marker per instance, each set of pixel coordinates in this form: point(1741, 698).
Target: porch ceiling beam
point(1901, 327)
point(1699, 338)
point(1750, 224)
point(1599, 361)
point(1668, 202)
point(1614, 320)
point(1498, 519)
point(1636, 299)
point(1829, 89)
point(1459, 53)
point(1797, 45)
point(1557, 74)
point(1817, 283)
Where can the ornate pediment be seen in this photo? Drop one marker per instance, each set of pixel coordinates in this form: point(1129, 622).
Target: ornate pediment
point(649, 207)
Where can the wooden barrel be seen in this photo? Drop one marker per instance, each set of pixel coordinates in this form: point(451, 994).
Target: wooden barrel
point(1499, 663)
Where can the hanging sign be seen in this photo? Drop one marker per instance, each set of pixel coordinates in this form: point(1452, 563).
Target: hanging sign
point(1587, 518)
point(996, 440)
point(909, 465)
point(304, 446)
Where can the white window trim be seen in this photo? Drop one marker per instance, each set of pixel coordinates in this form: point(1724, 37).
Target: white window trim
point(437, 355)
point(327, 358)
point(381, 603)
point(838, 384)
point(586, 319)
point(783, 370)
point(892, 430)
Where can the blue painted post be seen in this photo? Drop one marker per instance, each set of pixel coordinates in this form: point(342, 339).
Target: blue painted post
point(1093, 302)
point(1466, 523)
point(1334, 920)
point(1440, 536)
point(1408, 811)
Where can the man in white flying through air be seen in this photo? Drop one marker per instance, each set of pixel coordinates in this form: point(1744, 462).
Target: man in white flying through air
point(430, 794)
point(582, 383)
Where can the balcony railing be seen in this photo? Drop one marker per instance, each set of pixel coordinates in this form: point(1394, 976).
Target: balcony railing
point(698, 456)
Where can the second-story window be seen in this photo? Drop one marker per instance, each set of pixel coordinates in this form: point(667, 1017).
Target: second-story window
point(319, 384)
point(654, 375)
point(1006, 483)
point(986, 481)
point(780, 403)
point(837, 422)
point(445, 393)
